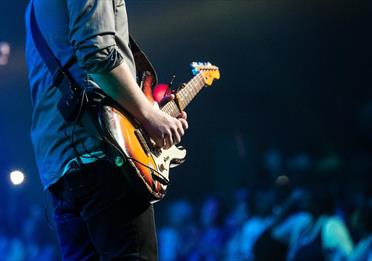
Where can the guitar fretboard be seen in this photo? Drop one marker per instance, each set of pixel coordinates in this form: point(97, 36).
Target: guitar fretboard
point(184, 96)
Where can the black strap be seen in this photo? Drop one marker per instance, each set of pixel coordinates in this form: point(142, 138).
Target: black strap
point(143, 64)
point(61, 76)
point(41, 45)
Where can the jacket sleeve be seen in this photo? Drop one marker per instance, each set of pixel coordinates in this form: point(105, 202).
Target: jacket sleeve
point(92, 34)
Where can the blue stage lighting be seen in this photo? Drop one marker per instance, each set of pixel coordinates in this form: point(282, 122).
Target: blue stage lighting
point(17, 177)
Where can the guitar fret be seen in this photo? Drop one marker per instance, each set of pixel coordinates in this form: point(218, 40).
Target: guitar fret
point(190, 90)
point(187, 99)
point(171, 109)
point(175, 111)
point(185, 96)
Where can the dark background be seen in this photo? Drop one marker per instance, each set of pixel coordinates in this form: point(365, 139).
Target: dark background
point(295, 84)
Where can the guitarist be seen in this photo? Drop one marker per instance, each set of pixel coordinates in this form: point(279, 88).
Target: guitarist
point(97, 214)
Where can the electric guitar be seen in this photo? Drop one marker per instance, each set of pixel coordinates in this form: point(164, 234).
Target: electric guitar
point(151, 164)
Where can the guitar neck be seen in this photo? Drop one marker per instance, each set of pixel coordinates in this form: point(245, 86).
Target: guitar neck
point(184, 96)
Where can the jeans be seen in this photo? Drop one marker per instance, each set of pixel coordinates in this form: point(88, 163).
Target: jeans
point(99, 216)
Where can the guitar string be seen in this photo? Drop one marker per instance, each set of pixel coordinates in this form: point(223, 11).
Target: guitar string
point(195, 85)
point(186, 95)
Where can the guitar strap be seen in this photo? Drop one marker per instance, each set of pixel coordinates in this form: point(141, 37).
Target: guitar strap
point(69, 104)
point(143, 63)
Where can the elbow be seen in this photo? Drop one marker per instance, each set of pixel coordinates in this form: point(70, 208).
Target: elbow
point(98, 54)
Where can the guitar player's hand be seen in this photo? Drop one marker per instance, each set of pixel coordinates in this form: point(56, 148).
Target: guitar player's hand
point(164, 129)
point(182, 116)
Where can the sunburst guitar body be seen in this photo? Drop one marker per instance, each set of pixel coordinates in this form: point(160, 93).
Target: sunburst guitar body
point(149, 163)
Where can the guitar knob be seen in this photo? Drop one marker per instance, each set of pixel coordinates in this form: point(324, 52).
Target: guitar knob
point(161, 167)
point(119, 161)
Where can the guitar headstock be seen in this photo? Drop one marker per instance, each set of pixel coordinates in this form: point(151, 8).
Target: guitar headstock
point(207, 70)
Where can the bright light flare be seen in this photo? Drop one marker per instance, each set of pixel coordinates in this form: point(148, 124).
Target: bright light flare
point(17, 177)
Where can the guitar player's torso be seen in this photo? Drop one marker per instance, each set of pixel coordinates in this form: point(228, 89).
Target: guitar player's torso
point(51, 135)
point(96, 214)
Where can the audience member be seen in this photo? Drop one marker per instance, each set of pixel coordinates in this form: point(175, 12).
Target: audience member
point(326, 237)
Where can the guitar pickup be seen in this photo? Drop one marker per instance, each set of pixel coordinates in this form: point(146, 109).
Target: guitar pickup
point(142, 141)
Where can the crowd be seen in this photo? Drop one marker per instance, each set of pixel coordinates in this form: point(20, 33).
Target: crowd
point(269, 224)
point(315, 221)
point(25, 235)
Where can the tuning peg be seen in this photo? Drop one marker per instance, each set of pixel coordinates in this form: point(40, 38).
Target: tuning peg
point(195, 69)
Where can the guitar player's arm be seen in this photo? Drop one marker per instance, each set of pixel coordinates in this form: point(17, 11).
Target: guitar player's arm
point(92, 33)
point(121, 86)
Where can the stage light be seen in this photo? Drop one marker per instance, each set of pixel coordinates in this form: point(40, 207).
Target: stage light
point(17, 177)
